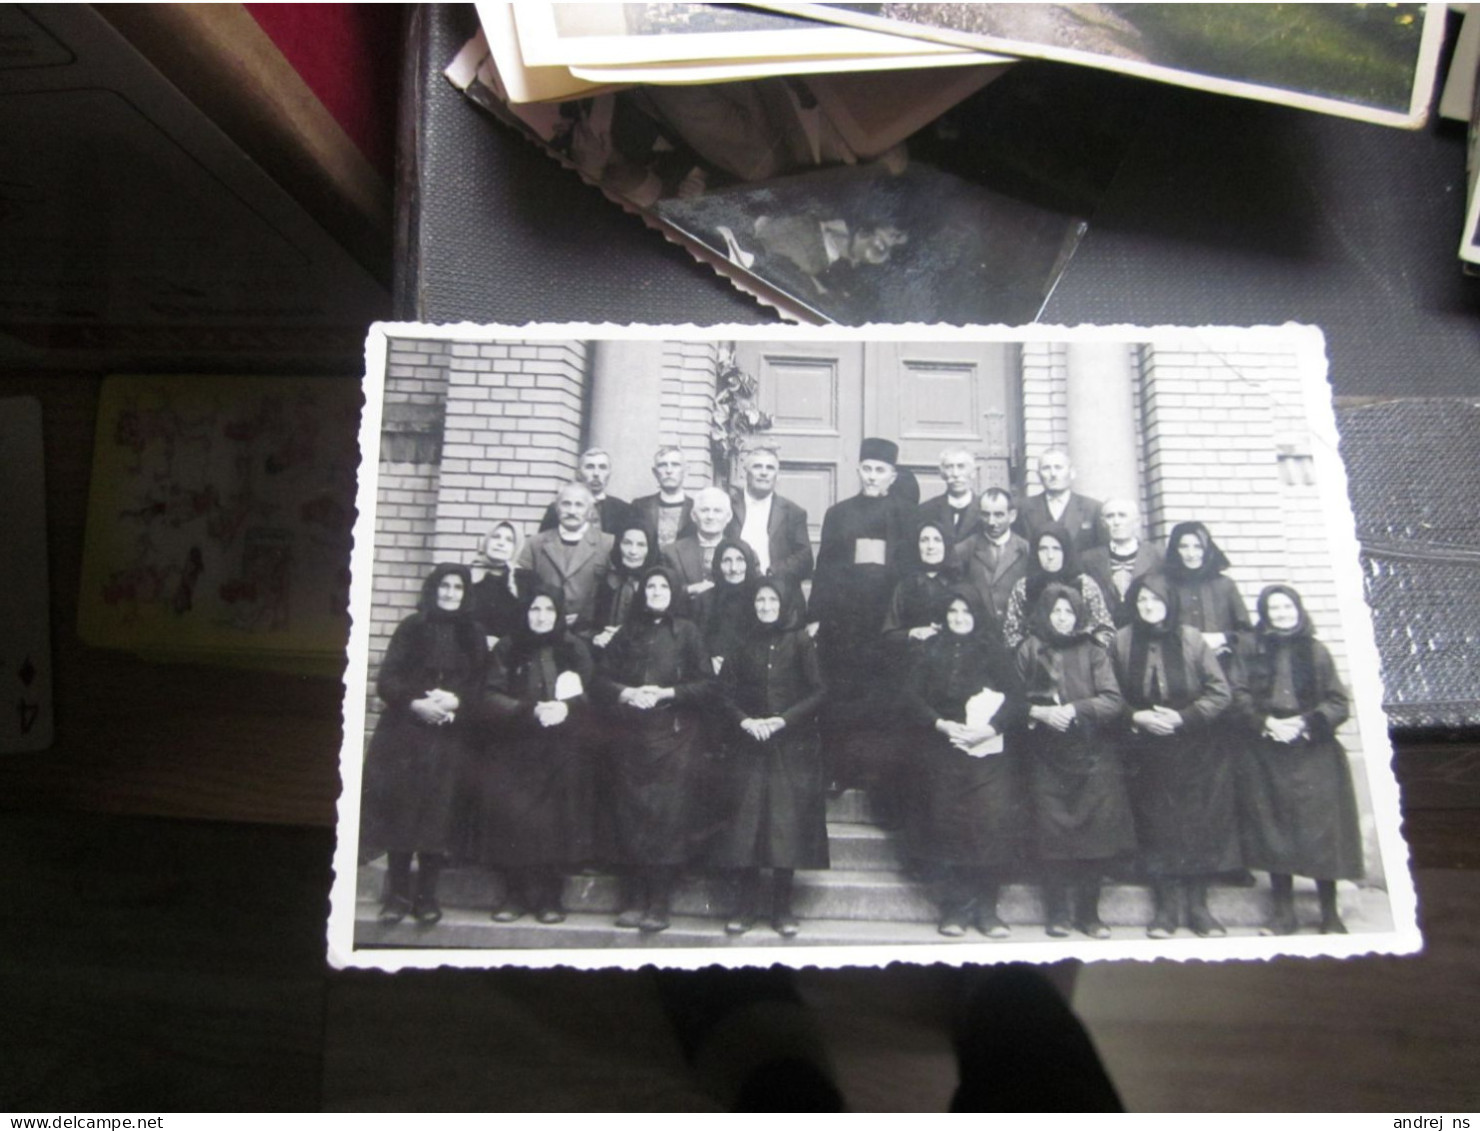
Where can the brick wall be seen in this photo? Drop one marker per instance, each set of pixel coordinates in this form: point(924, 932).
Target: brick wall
point(688, 388)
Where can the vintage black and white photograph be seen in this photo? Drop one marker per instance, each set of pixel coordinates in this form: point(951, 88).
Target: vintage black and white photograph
point(625, 34)
point(753, 644)
point(1373, 62)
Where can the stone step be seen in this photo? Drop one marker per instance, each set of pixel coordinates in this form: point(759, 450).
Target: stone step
point(864, 848)
point(1363, 909)
point(850, 895)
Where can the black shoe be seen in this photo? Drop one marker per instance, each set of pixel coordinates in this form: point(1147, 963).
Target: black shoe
point(739, 924)
point(630, 919)
point(786, 925)
point(1093, 927)
point(509, 912)
point(953, 924)
point(989, 923)
point(394, 909)
point(426, 911)
point(1332, 925)
point(1203, 924)
point(652, 922)
point(551, 915)
point(1058, 930)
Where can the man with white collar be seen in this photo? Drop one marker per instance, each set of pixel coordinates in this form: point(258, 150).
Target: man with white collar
point(774, 527)
point(1060, 506)
point(595, 472)
point(692, 555)
point(958, 506)
point(574, 557)
point(668, 513)
point(996, 557)
point(1123, 559)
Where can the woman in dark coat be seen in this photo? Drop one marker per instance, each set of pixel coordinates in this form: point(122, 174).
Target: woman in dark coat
point(654, 681)
point(919, 597)
point(1053, 560)
point(428, 679)
point(730, 608)
point(499, 596)
point(777, 805)
point(967, 699)
point(1182, 776)
point(530, 797)
point(635, 550)
point(1208, 599)
point(1298, 807)
point(1081, 816)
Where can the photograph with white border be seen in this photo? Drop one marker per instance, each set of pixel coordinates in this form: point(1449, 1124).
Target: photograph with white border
point(743, 645)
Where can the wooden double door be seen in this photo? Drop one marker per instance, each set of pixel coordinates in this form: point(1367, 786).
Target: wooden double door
point(825, 397)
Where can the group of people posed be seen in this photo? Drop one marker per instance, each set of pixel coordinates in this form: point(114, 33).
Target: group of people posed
point(1027, 693)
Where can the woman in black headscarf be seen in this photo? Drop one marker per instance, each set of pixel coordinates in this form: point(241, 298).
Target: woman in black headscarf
point(428, 679)
point(729, 611)
point(500, 594)
point(1298, 807)
point(530, 799)
point(777, 818)
point(654, 681)
point(1182, 783)
point(635, 550)
point(1208, 598)
point(915, 609)
point(966, 699)
point(1080, 814)
point(1053, 560)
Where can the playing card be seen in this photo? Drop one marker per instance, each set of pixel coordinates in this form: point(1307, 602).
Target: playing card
point(25, 634)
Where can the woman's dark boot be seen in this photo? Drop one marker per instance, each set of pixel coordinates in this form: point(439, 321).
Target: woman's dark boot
point(549, 887)
point(632, 901)
point(1056, 911)
point(783, 922)
point(1199, 918)
point(1282, 896)
point(660, 892)
point(424, 908)
point(1087, 909)
point(1331, 923)
point(988, 922)
point(1164, 920)
point(397, 903)
point(745, 903)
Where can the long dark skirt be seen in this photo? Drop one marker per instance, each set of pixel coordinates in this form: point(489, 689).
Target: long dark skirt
point(1298, 810)
point(1081, 810)
point(1183, 796)
point(410, 786)
point(776, 810)
point(655, 759)
point(968, 811)
point(529, 802)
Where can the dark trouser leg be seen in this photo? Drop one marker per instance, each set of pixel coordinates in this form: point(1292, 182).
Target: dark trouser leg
point(549, 885)
point(1055, 902)
point(746, 902)
point(988, 922)
point(1087, 905)
point(782, 919)
point(1021, 1048)
point(1167, 895)
point(1199, 918)
point(1282, 896)
point(397, 903)
point(425, 909)
point(1331, 923)
point(955, 901)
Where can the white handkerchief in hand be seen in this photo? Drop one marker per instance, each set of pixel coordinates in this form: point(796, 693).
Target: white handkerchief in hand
point(568, 686)
point(979, 711)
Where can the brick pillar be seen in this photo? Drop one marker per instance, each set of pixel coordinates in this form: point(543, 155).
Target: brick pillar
point(626, 411)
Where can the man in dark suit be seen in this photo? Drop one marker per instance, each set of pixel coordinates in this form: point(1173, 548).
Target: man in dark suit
point(775, 528)
point(595, 471)
point(995, 558)
point(957, 508)
point(668, 513)
point(574, 557)
point(1058, 505)
point(1123, 559)
point(691, 556)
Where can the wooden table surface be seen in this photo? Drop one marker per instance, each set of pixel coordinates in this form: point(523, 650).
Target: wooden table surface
point(168, 864)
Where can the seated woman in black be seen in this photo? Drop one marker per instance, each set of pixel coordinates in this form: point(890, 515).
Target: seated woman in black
point(777, 808)
point(531, 802)
point(428, 679)
point(1080, 815)
point(1182, 784)
point(654, 684)
point(1296, 801)
point(967, 698)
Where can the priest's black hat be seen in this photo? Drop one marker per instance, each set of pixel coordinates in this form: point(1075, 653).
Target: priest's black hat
point(875, 448)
